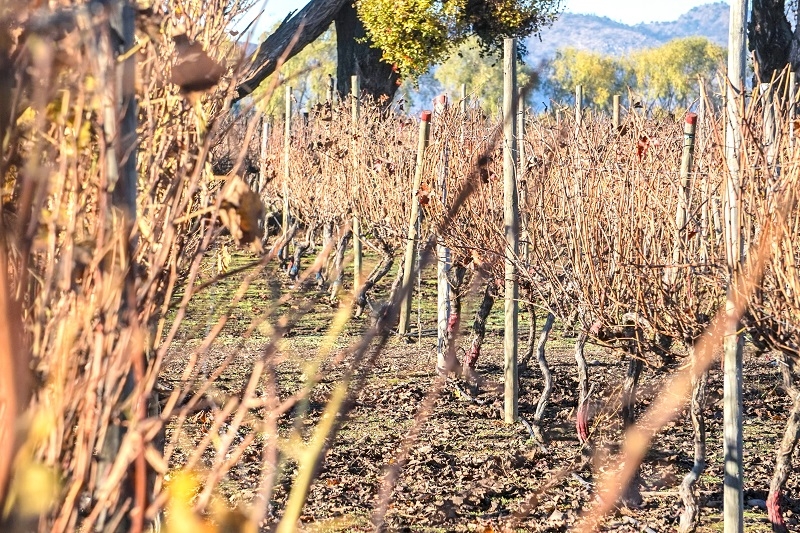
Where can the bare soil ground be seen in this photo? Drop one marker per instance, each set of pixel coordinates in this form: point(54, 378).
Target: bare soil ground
point(469, 471)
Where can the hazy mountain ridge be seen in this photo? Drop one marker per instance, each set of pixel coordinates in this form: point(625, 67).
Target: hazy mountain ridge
point(606, 36)
point(709, 20)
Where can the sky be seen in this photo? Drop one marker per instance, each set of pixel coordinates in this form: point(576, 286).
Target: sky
point(633, 11)
point(626, 11)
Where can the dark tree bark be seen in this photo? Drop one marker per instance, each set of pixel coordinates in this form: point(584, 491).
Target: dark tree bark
point(531, 345)
point(354, 57)
point(325, 272)
point(771, 38)
point(357, 56)
point(294, 34)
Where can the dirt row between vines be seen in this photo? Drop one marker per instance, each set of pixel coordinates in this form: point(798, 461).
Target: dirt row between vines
point(469, 471)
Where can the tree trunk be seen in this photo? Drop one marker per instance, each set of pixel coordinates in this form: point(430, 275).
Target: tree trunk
point(355, 53)
point(531, 344)
point(547, 376)
point(294, 34)
point(356, 56)
point(770, 37)
point(325, 272)
point(629, 391)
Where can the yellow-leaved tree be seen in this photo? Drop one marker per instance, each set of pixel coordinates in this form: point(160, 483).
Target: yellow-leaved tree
point(668, 75)
point(415, 34)
point(601, 76)
point(665, 76)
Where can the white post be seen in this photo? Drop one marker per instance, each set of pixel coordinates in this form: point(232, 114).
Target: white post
point(792, 106)
point(521, 178)
point(329, 94)
point(511, 221)
point(287, 142)
point(357, 254)
point(443, 257)
point(262, 171)
point(771, 130)
point(733, 503)
point(578, 107)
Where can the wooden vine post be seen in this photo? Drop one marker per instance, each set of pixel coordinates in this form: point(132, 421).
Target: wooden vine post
point(357, 253)
point(511, 223)
point(771, 128)
point(615, 112)
point(330, 93)
point(733, 502)
point(578, 184)
point(120, 112)
point(792, 107)
point(681, 214)
point(266, 131)
point(443, 261)
point(411, 242)
point(287, 144)
point(521, 178)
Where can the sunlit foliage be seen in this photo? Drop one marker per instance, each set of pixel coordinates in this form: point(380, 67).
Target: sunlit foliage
point(415, 34)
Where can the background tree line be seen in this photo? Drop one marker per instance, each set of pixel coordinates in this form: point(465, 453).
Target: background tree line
point(665, 76)
point(308, 75)
point(371, 43)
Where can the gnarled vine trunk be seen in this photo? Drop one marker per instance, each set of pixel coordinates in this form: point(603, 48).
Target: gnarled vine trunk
point(783, 463)
point(691, 509)
point(377, 274)
point(338, 270)
point(582, 415)
point(479, 326)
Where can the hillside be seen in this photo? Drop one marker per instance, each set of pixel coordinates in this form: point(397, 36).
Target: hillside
point(606, 36)
point(709, 20)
